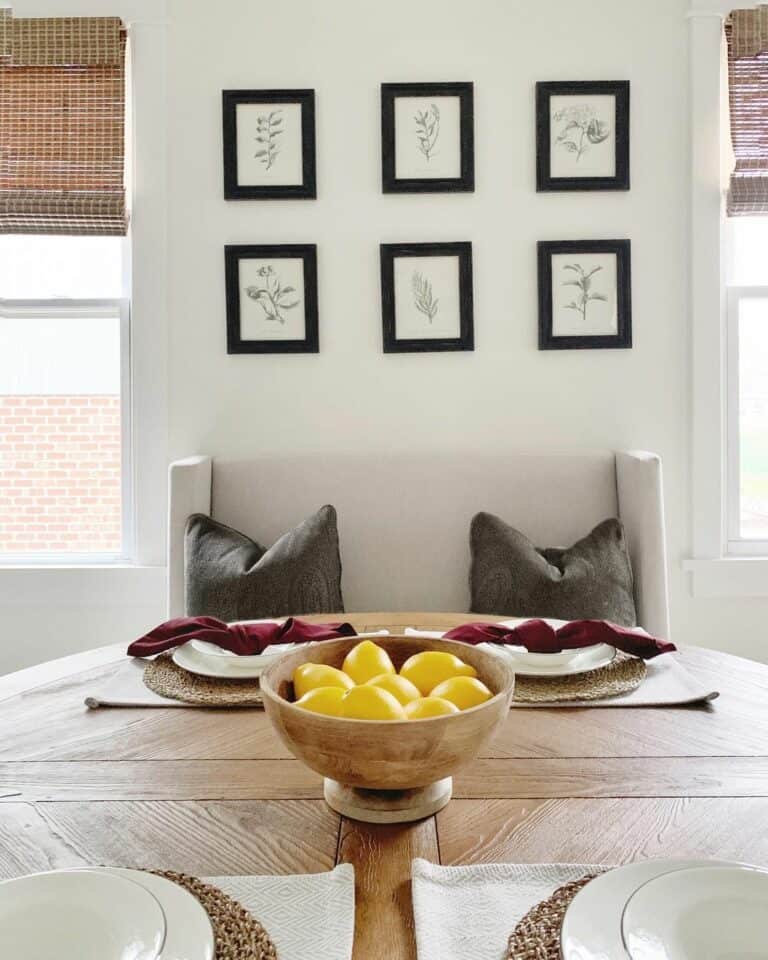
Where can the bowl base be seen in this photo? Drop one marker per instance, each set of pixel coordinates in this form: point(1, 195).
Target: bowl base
point(387, 806)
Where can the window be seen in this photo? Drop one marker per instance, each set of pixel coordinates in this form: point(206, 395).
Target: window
point(65, 398)
point(65, 479)
point(747, 385)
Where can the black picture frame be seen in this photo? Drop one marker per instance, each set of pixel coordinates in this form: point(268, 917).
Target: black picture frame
point(389, 252)
point(233, 254)
point(233, 189)
point(622, 339)
point(465, 182)
point(619, 89)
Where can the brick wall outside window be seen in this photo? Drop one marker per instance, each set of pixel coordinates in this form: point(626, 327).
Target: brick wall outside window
point(60, 478)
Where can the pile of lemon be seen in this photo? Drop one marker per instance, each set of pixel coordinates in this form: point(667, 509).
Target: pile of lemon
point(430, 684)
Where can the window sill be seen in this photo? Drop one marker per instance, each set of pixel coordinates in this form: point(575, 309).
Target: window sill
point(728, 576)
point(74, 585)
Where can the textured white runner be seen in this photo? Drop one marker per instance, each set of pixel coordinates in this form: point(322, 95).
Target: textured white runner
point(310, 915)
point(667, 684)
point(463, 912)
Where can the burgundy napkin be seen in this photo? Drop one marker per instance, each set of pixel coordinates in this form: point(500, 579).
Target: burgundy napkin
point(244, 639)
point(539, 637)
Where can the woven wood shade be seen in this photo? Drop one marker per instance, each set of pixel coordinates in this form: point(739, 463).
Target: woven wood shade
point(62, 126)
point(747, 37)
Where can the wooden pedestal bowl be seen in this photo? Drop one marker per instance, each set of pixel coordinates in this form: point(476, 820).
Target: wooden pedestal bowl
point(386, 771)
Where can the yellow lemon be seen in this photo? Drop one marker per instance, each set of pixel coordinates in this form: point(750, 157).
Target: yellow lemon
point(365, 661)
point(326, 700)
point(370, 703)
point(465, 692)
point(426, 707)
point(399, 687)
point(430, 667)
point(310, 675)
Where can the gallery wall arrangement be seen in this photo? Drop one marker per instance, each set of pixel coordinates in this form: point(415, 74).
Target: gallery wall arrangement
point(428, 146)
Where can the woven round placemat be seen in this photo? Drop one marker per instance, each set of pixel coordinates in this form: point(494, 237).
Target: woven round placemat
point(165, 678)
point(622, 675)
point(237, 935)
point(537, 935)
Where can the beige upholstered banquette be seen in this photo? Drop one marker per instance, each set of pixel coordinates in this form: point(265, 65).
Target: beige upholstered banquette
point(404, 521)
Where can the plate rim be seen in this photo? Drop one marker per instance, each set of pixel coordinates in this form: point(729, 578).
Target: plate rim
point(219, 671)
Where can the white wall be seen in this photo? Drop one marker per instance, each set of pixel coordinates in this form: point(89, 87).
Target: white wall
point(506, 394)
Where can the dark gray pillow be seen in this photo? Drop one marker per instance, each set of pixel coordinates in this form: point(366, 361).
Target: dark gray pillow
point(229, 576)
point(592, 580)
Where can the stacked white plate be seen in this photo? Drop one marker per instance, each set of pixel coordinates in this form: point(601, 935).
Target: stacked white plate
point(208, 660)
point(670, 910)
point(564, 664)
point(101, 914)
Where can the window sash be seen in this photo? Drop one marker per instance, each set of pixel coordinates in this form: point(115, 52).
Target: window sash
point(736, 544)
point(64, 309)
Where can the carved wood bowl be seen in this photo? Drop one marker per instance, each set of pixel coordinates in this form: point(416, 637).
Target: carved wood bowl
point(394, 754)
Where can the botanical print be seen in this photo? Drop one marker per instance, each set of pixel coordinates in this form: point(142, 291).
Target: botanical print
point(582, 136)
point(580, 128)
point(427, 137)
point(584, 294)
point(583, 282)
point(269, 144)
point(427, 129)
point(273, 298)
point(426, 297)
point(423, 297)
point(269, 127)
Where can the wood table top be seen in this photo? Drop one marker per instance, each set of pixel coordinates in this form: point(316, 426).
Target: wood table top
point(213, 792)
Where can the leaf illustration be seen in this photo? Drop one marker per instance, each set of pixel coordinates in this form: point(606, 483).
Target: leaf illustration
point(268, 129)
point(423, 298)
point(427, 130)
point(583, 283)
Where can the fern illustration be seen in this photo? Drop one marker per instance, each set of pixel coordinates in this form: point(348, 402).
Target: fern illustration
point(423, 297)
point(427, 129)
point(268, 128)
point(271, 296)
point(583, 281)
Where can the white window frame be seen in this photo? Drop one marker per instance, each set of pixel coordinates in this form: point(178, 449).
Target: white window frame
point(716, 569)
point(64, 309)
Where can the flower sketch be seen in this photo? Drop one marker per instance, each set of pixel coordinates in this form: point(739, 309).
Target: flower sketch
point(268, 128)
point(581, 129)
point(583, 282)
point(271, 296)
point(427, 129)
point(423, 297)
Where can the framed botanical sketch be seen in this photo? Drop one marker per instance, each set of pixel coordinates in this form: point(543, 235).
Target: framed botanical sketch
point(427, 137)
point(269, 144)
point(582, 135)
point(585, 294)
point(271, 298)
point(426, 297)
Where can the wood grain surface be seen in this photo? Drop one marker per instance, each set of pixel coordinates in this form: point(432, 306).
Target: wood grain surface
point(214, 792)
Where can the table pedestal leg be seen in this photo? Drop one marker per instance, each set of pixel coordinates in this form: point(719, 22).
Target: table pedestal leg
point(387, 806)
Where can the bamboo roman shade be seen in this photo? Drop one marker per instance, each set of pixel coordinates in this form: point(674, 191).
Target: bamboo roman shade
point(62, 125)
point(747, 37)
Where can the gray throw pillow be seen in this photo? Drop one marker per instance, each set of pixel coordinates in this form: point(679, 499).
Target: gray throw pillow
point(592, 580)
point(230, 576)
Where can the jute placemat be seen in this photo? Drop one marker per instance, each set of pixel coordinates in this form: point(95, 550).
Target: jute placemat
point(622, 675)
point(537, 935)
point(165, 678)
point(237, 935)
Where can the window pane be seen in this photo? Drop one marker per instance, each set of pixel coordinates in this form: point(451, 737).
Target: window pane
point(75, 267)
point(60, 434)
point(753, 417)
point(747, 245)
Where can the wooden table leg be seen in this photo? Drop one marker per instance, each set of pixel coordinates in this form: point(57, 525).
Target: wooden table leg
point(381, 855)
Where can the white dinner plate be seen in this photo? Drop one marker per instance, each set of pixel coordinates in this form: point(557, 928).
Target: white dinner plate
point(699, 914)
point(592, 924)
point(193, 661)
point(189, 934)
point(585, 660)
point(79, 915)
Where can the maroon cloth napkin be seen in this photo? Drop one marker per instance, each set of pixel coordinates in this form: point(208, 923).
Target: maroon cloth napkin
point(539, 637)
point(244, 639)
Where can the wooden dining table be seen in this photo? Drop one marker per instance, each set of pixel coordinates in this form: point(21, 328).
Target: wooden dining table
point(214, 792)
